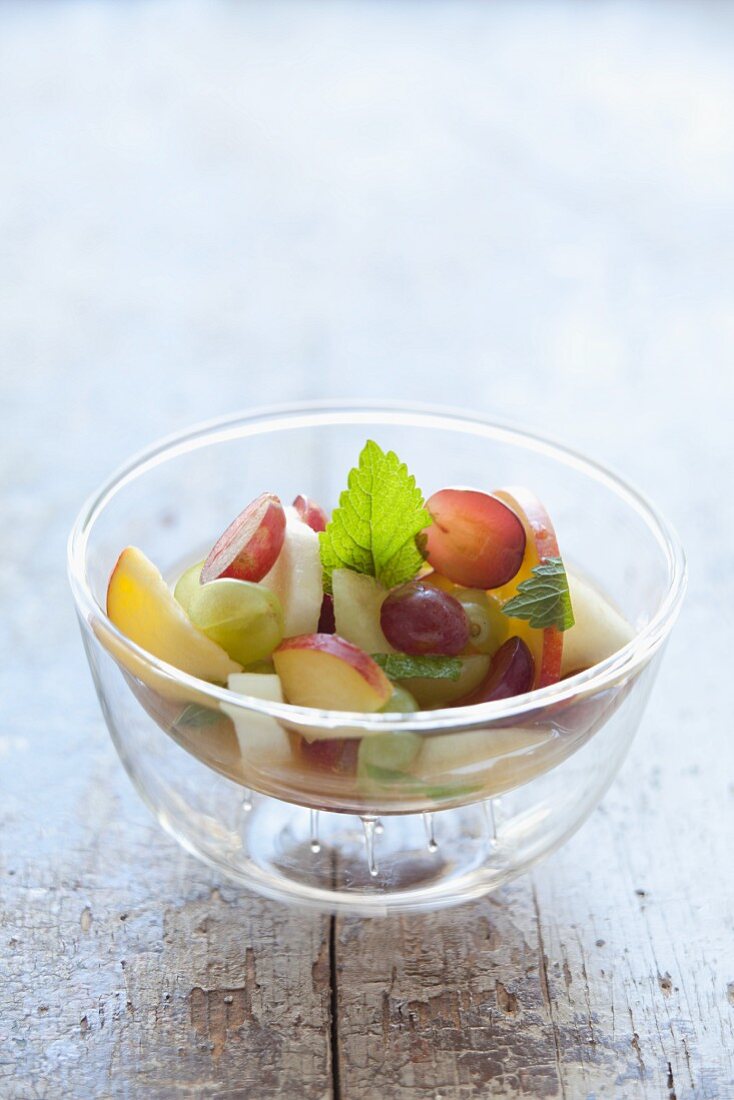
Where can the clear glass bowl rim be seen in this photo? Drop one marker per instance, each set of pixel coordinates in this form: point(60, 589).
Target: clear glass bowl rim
point(313, 414)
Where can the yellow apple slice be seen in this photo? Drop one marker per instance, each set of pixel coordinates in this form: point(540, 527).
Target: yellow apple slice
point(140, 604)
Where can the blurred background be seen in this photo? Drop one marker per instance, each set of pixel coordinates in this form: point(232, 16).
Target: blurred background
point(522, 208)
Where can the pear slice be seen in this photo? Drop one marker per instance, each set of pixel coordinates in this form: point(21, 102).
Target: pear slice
point(495, 760)
point(357, 603)
point(599, 629)
point(296, 577)
point(263, 742)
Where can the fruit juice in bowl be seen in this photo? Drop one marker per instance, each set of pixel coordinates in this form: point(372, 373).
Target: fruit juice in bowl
point(371, 635)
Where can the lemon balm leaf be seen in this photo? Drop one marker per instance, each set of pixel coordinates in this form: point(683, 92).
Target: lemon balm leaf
point(196, 716)
point(379, 517)
point(543, 600)
point(403, 666)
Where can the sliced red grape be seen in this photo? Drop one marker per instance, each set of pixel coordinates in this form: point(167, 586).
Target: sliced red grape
point(418, 618)
point(311, 513)
point(327, 623)
point(250, 546)
point(475, 539)
point(511, 672)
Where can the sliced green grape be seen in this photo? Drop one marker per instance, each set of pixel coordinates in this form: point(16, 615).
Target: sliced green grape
point(388, 753)
point(263, 667)
point(187, 584)
point(385, 758)
point(401, 701)
point(488, 626)
point(244, 618)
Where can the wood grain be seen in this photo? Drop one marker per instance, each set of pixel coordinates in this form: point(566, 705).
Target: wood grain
point(146, 979)
point(522, 209)
point(541, 991)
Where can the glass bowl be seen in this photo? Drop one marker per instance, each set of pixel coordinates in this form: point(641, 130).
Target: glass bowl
point(284, 799)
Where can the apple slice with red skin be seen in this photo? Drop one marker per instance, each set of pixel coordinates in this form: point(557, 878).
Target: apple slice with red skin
point(250, 546)
point(476, 539)
point(545, 645)
point(311, 513)
point(336, 757)
point(511, 672)
point(328, 672)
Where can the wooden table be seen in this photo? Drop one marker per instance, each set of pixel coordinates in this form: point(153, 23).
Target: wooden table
point(521, 208)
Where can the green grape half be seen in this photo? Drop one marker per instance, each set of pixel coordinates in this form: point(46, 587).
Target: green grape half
point(244, 618)
point(385, 758)
point(400, 702)
point(488, 626)
point(187, 584)
point(388, 756)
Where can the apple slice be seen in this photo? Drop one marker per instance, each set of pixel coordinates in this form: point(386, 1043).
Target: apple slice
point(296, 577)
point(331, 755)
point(140, 604)
point(358, 601)
point(311, 513)
point(546, 646)
point(444, 693)
point(599, 629)
point(328, 672)
point(250, 546)
point(493, 759)
point(263, 742)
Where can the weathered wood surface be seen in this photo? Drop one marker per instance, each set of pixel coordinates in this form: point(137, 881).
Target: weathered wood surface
point(525, 209)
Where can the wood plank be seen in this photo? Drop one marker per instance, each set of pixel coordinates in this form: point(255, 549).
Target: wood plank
point(450, 1004)
point(128, 970)
point(607, 972)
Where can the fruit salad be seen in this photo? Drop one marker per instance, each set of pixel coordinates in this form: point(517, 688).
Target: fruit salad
point(393, 603)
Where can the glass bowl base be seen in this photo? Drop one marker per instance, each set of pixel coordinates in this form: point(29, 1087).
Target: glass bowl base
point(336, 862)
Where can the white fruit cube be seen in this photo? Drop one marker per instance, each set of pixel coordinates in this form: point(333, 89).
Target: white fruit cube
point(263, 743)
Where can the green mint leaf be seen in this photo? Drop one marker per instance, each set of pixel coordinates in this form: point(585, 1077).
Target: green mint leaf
point(441, 794)
point(197, 717)
point(402, 666)
point(374, 528)
point(544, 599)
point(386, 775)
